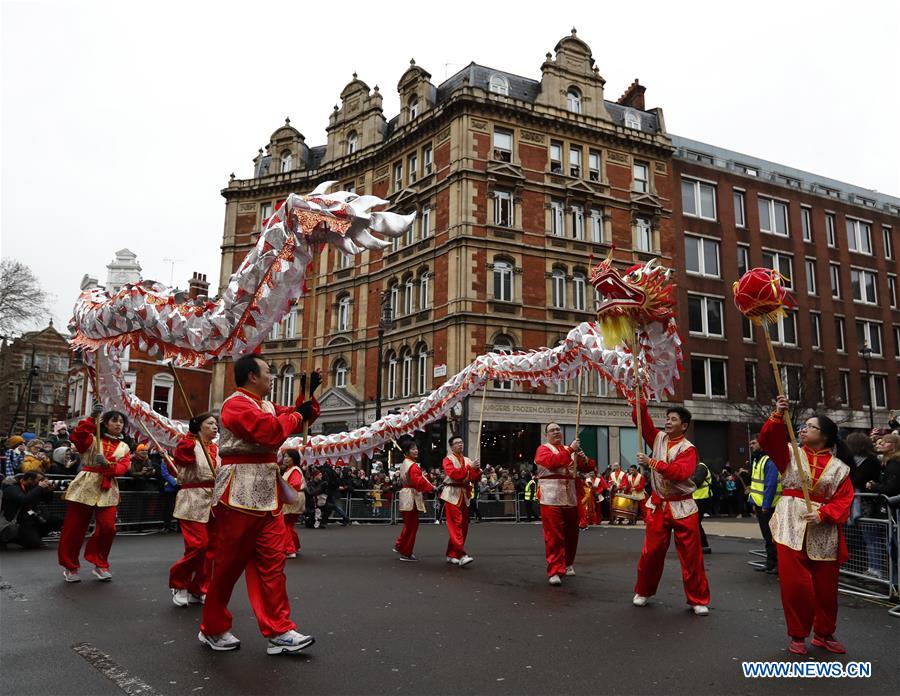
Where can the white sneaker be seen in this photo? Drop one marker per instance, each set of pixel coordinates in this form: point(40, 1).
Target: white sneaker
point(71, 575)
point(701, 610)
point(639, 600)
point(196, 598)
point(102, 574)
point(873, 572)
point(437, 521)
point(466, 560)
point(570, 570)
point(180, 598)
point(555, 580)
point(289, 642)
point(226, 641)
point(453, 561)
point(291, 555)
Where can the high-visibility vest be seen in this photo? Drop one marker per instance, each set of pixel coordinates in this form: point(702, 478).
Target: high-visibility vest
point(529, 489)
point(704, 490)
point(758, 482)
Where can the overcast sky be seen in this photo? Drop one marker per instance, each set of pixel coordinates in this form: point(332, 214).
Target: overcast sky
point(122, 121)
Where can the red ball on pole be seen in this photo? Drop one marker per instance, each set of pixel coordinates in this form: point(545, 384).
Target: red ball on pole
point(760, 295)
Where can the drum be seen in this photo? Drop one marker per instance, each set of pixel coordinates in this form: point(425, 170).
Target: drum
point(624, 508)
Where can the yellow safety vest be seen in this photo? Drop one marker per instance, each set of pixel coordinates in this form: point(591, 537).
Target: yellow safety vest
point(529, 489)
point(704, 491)
point(758, 482)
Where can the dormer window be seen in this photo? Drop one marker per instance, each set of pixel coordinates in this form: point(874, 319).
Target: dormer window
point(352, 142)
point(287, 161)
point(413, 108)
point(573, 100)
point(632, 119)
point(499, 85)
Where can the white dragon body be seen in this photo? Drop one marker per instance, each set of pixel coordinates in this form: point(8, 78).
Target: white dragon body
point(272, 277)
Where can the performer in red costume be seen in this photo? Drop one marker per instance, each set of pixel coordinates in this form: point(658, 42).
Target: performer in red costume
point(249, 531)
point(411, 500)
point(459, 473)
point(293, 475)
point(810, 545)
point(196, 460)
point(94, 491)
point(600, 487)
point(671, 508)
point(617, 480)
point(556, 470)
point(636, 485)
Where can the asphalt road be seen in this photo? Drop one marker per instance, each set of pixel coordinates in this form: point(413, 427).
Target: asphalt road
point(386, 627)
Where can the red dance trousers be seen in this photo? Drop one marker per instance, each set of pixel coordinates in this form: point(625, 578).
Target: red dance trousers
point(255, 544)
point(291, 538)
point(191, 572)
point(457, 529)
point(658, 534)
point(809, 593)
point(560, 537)
point(76, 523)
point(407, 539)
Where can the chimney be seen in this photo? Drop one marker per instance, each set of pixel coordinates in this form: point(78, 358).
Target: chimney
point(634, 96)
point(198, 285)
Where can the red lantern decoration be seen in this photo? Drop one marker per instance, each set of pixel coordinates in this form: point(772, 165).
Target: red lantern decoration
point(760, 295)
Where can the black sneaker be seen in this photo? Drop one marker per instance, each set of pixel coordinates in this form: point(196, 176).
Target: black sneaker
point(409, 558)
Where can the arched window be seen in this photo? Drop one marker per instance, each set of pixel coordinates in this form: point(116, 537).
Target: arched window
point(423, 291)
point(579, 283)
point(340, 373)
point(422, 371)
point(352, 142)
point(287, 386)
point(287, 161)
point(413, 107)
point(498, 85)
point(503, 277)
point(406, 372)
point(408, 294)
point(558, 288)
point(503, 344)
point(632, 119)
point(343, 313)
point(162, 389)
point(391, 375)
point(573, 100)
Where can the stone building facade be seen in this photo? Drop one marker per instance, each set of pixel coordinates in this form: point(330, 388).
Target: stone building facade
point(519, 185)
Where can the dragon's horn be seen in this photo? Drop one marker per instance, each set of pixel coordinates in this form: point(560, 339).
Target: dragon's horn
point(322, 188)
point(608, 260)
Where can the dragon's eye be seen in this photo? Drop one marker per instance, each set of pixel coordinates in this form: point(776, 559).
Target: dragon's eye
point(635, 276)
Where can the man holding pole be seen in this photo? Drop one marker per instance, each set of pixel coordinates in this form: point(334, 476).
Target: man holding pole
point(556, 472)
point(671, 508)
point(459, 472)
point(247, 509)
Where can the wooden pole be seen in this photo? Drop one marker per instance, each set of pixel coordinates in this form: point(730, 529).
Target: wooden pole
point(190, 415)
point(481, 418)
point(165, 454)
point(96, 380)
point(637, 393)
point(311, 324)
point(578, 409)
point(787, 421)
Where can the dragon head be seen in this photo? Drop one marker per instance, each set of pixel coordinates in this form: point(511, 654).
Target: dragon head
point(640, 295)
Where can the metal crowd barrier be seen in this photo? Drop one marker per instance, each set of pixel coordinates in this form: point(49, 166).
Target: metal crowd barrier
point(503, 510)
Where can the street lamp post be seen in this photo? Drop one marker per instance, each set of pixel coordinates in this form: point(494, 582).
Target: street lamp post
point(866, 353)
point(385, 321)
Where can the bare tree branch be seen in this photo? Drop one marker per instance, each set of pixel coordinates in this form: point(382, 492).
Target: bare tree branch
point(22, 300)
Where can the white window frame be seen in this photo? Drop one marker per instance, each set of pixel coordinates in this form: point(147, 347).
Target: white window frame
point(503, 385)
point(870, 328)
point(287, 386)
point(834, 277)
point(855, 236)
point(811, 286)
point(816, 329)
point(557, 219)
point(352, 142)
point(412, 168)
point(806, 222)
point(392, 376)
point(287, 162)
point(840, 334)
point(577, 215)
point(597, 225)
point(777, 257)
point(498, 85)
point(345, 260)
point(422, 373)
point(771, 204)
point(705, 301)
point(340, 374)
point(752, 365)
point(573, 100)
point(896, 332)
point(406, 374)
point(579, 285)
point(558, 288)
point(575, 155)
point(696, 186)
point(830, 236)
point(632, 119)
point(501, 152)
point(873, 394)
point(707, 361)
point(503, 204)
point(740, 208)
point(643, 232)
point(594, 159)
point(887, 240)
point(701, 256)
point(398, 176)
point(844, 387)
point(892, 290)
point(861, 274)
point(424, 300)
point(743, 251)
point(343, 313)
point(425, 229)
point(413, 105)
point(556, 148)
point(265, 212)
point(778, 332)
point(640, 177)
point(165, 381)
point(427, 160)
point(408, 294)
point(503, 272)
point(747, 324)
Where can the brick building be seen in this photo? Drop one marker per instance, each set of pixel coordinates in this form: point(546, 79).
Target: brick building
point(518, 183)
point(837, 246)
point(146, 376)
point(44, 355)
